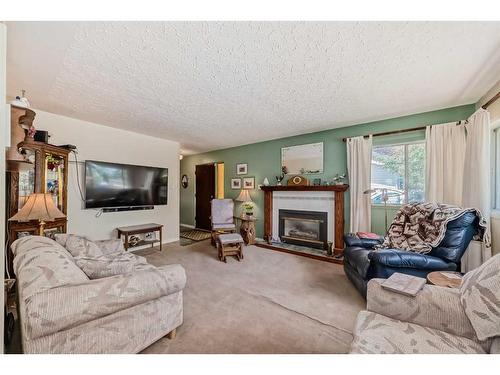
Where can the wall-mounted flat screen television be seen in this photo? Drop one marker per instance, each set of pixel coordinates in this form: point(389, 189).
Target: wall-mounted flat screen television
point(110, 185)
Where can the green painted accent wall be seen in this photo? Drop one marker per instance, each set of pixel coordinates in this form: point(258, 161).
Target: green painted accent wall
point(264, 159)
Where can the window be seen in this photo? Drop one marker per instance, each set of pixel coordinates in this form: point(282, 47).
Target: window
point(401, 170)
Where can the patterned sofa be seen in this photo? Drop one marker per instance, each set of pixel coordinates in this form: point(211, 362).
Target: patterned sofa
point(436, 320)
point(62, 310)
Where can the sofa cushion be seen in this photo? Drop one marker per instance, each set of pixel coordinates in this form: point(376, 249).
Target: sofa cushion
point(480, 296)
point(100, 259)
point(83, 246)
point(105, 266)
point(376, 333)
point(459, 233)
point(41, 263)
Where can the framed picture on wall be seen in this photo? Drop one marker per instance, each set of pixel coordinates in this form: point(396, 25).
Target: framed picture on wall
point(249, 183)
point(236, 183)
point(242, 168)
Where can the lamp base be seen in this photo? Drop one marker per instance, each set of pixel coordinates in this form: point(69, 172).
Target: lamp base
point(41, 228)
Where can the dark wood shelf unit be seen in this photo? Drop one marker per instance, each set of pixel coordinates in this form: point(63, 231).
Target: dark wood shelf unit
point(41, 152)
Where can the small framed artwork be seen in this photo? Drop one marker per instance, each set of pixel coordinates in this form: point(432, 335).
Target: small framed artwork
point(236, 183)
point(242, 168)
point(249, 183)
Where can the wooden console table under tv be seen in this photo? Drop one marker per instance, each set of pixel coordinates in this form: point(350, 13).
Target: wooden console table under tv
point(140, 229)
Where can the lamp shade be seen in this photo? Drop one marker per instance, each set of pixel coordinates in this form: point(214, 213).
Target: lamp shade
point(40, 207)
point(244, 196)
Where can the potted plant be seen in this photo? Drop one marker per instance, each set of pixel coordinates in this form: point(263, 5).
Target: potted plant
point(248, 207)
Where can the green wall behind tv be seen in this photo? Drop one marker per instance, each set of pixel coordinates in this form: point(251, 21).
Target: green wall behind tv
point(264, 159)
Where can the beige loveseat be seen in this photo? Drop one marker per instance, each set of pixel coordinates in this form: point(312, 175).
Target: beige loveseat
point(436, 320)
point(63, 311)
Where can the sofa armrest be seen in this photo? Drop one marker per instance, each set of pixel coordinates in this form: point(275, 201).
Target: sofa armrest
point(434, 307)
point(68, 306)
point(352, 240)
point(407, 259)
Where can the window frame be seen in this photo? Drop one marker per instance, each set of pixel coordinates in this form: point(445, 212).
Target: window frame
point(495, 164)
point(405, 144)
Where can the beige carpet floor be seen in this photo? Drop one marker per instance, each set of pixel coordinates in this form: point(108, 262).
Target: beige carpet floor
point(270, 302)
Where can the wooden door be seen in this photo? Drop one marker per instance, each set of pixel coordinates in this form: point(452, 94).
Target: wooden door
point(205, 192)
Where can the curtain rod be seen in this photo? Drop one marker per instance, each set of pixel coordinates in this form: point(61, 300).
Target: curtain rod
point(391, 132)
point(491, 101)
point(486, 105)
point(399, 131)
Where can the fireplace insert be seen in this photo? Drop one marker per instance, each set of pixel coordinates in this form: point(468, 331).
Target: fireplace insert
point(305, 228)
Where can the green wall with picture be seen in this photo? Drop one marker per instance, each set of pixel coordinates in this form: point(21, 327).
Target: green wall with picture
point(264, 160)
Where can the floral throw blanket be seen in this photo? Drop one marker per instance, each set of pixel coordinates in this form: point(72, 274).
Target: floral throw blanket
point(419, 227)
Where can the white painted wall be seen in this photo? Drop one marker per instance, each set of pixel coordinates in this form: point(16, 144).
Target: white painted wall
point(97, 142)
point(3, 127)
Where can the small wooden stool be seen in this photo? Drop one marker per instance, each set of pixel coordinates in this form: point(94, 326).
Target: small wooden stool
point(230, 244)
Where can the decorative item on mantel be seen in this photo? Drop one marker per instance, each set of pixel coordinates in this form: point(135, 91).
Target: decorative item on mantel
point(339, 179)
point(265, 182)
point(297, 181)
point(284, 171)
point(247, 205)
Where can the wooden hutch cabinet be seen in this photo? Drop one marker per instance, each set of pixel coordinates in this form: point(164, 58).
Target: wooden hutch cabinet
point(33, 167)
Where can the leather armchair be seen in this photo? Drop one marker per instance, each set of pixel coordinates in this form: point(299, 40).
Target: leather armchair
point(362, 263)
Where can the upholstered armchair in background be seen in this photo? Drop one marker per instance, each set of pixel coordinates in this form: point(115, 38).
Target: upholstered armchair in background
point(362, 262)
point(222, 217)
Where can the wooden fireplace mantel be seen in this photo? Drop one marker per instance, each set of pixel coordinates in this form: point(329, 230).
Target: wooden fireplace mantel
point(337, 190)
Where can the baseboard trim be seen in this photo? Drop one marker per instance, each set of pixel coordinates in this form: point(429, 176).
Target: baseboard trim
point(187, 225)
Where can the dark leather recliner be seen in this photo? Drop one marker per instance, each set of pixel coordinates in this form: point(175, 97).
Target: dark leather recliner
point(362, 262)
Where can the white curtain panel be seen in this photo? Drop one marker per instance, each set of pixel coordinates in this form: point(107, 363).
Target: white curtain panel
point(359, 160)
point(445, 146)
point(477, 183)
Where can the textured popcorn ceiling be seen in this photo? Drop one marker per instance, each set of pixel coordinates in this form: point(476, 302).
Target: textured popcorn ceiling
point(212, 85)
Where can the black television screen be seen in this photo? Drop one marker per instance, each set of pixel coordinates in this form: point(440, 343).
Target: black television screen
point(124, 185)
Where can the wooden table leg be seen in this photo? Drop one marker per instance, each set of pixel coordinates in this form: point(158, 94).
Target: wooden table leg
point(126, 241)
point(161, 236)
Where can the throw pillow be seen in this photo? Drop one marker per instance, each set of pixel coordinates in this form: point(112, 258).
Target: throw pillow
point(111, 247)
point(105, 266)
point(480, 297)
point(100, 259)
point(81, 245)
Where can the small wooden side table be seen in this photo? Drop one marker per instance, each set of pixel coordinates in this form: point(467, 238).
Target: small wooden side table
point(247, 228)
point(140, 229)
point(438, 278)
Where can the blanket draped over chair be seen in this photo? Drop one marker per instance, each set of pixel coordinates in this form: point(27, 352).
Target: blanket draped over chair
point(419, 227)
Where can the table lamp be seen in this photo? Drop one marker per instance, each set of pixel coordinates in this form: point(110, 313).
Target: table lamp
point(245, 198)
point(41, 207)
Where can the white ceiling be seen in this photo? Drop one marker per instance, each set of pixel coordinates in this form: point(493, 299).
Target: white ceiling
point(212, 85)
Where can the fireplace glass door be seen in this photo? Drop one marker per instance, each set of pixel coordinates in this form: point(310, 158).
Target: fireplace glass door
point(305, 228)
